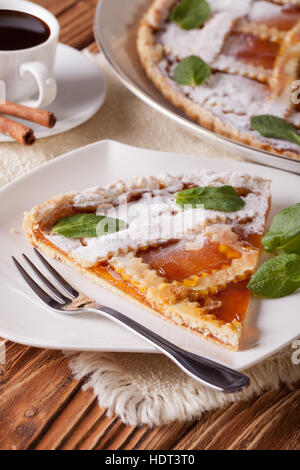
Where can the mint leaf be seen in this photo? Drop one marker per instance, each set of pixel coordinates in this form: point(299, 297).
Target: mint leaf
point(271, 241)
point(284, 232)
point(191, 71)
point(86, 225)
point(294, 272)
point(191, 14)
point(278, 277)
point(220, 198)
point(275, 127)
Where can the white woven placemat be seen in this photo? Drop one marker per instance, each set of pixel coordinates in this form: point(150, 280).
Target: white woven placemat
point(140, 388)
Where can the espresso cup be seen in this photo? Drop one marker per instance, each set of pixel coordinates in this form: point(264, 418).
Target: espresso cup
point(28, 73)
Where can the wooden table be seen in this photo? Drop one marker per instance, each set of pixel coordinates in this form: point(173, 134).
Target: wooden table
point(42, 407)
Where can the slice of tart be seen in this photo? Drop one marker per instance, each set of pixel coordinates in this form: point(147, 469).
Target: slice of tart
point(182, 246)
point(250, 47)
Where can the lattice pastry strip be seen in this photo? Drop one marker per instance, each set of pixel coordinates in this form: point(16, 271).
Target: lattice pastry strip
point(285, 72)
point(208, 43)
point(210, 284)
point(244, 261)
point(147, 281)
point(261, 31)
point(233, 66)
point(199, 318)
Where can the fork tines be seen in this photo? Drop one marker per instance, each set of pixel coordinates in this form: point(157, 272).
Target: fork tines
point(60, 299)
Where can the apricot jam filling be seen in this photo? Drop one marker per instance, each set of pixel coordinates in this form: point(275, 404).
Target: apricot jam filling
point(175, 262)
point(105, 272)
point(179, 260)
point(234, 302)
point(251, 50)
point(108, 274)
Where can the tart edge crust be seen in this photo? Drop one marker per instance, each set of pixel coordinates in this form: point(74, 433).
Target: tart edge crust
point(150, 53)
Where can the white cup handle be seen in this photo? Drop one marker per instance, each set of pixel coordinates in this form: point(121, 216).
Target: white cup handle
point(46, 83)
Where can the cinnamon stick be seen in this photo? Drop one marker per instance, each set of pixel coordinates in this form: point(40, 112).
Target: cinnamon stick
point(39, 116)
point(22, 134)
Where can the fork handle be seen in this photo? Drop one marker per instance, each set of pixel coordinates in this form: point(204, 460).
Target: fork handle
point(205, 371)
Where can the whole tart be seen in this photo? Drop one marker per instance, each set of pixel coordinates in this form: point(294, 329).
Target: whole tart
point(253, 49)
point(190, 265)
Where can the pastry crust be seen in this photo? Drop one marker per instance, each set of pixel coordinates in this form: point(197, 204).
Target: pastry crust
point(151, 53)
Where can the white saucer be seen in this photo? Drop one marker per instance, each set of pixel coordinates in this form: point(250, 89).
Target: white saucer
point(81, 92)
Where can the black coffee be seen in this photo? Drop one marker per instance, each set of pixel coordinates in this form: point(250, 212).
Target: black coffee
point(20, 30)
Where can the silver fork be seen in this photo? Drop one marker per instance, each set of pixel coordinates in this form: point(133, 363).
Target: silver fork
point(205, 371)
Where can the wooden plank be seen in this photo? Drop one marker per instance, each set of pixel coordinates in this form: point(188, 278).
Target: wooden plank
point(163, 437)
point(125, 437)
point(117, 432)
point(239, 425)
point(128, 438)
point(77, 24)
point(276, 428)
point(17, 356)
point(67, 422)
point(201, 429)
point(57, 7)
point(35, 386)
point(94, 427)
point(76, 20)
point(204, 431)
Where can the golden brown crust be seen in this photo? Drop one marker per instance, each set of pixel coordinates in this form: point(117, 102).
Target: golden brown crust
point(150, 54)
point(49, 211)
point(261, 31)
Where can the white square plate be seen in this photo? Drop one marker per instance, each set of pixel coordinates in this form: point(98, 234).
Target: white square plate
point(271, 324)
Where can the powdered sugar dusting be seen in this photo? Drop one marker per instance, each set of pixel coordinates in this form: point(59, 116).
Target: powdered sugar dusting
point(237, 7)
point(64, 243)
point(233, 99)
point(262, 10)
point(294, 119)
point(156, 218)
point(278, 107)
point(230, 93)
point(206, 42)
